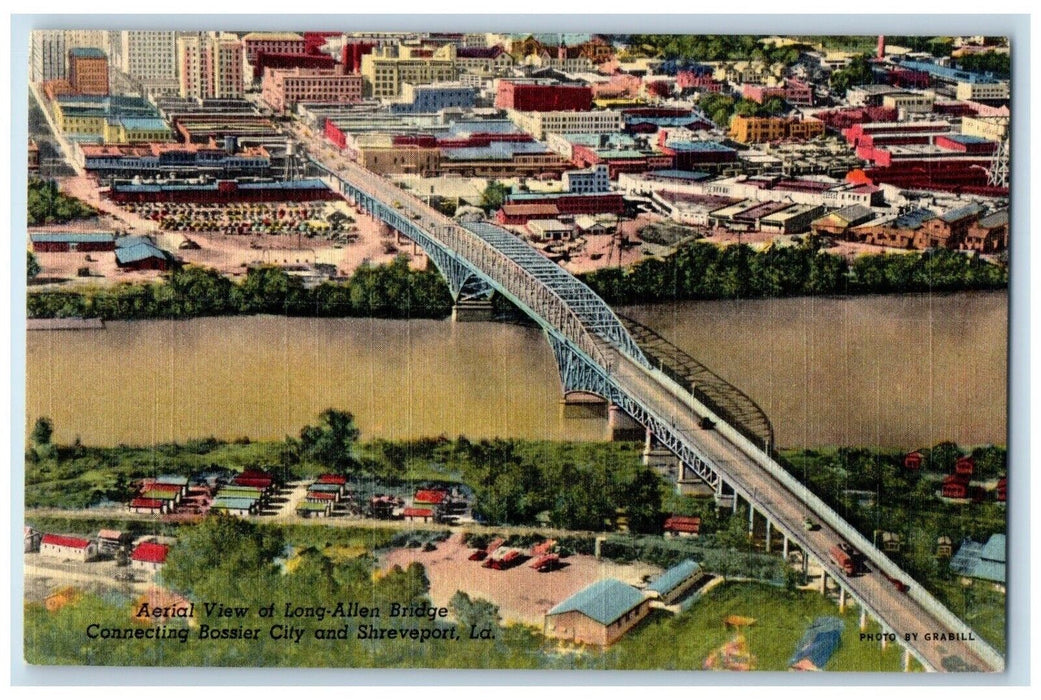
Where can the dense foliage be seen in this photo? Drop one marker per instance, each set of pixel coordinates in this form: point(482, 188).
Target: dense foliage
point(720, 108)
point(388, 291)
point(46, 205)
point(874, 492)
point(718, 47)
point(1000, 64)
point(494, 195)
point(858, 72)
point(706, 271)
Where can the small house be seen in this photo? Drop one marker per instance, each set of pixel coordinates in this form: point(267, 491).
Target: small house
point(944, 546)
point(420, 515)
point(682, 526)
point(913, 461)
point(891, 542)
point(67, 547)
point(965, 466)
point(110, 541)
point(313, 509)
point(599, 614)
point(675, 582)
point(32, 539)
point(149, 557)
point(151, 506)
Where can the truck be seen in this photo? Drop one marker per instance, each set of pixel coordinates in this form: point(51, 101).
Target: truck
point(843, 555)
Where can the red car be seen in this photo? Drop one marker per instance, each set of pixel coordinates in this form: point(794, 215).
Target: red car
point(897, 583)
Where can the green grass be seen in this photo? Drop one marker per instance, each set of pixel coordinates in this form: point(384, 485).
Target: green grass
point(981, 607)
point(683, 642)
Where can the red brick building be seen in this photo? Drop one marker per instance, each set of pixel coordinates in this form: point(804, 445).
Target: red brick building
point(540, 96)
point(88, 71)
point(283, 89)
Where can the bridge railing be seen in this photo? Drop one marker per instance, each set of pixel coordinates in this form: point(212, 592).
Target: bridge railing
point(835, 521)
point(479, 254)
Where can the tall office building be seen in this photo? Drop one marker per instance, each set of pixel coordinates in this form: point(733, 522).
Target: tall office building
point(46, 55)
point(210, 66)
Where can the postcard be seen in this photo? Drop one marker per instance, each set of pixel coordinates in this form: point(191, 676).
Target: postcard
point(428, 349)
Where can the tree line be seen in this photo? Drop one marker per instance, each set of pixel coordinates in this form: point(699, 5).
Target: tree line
point(702, 271)
point(389, 291)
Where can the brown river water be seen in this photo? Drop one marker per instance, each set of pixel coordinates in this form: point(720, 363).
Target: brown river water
point(895, 371)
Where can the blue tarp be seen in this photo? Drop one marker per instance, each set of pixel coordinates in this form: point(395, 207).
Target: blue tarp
point(819, 642)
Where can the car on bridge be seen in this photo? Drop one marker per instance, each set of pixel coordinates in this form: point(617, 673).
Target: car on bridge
point(810, 525)
point(897, 583)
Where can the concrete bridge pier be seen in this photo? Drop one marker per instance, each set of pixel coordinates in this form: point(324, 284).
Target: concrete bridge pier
point(784, 547)
point(622, 426)
point(842, 599)
point(824, 581)
point(466, 310)
point(660, 458)
point(768, 528)
point(751, 520)
point(863, 618)
point(907, 659)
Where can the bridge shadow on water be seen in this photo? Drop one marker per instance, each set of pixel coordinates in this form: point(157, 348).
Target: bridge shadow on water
point(723, 398)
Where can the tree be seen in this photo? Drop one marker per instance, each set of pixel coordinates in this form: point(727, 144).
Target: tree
point(32, 265)
point(331, 443)
point(494, 195)
point(475, 612)
point(43, 429)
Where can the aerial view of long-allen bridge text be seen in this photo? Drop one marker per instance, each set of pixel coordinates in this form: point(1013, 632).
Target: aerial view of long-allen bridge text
point(492, 350)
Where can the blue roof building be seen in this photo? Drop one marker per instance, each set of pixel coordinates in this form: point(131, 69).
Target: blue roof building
point(983, 561)
point(598, 614)
point(674, 582)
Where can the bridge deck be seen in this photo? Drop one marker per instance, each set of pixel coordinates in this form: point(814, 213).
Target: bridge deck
point(513, 267)
point(897, 611)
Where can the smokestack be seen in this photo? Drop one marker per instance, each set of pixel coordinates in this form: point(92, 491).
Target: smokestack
point(881, 54)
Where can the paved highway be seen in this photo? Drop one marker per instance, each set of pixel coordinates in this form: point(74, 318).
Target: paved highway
point(785, 508)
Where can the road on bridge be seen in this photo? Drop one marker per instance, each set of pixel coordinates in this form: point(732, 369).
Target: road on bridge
point(898, 612)
point(786, 508)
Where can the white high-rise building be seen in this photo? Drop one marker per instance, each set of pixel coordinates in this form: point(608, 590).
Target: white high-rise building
point(86, 39)
point(149, 58)
point(46, 55)
point(210, 66)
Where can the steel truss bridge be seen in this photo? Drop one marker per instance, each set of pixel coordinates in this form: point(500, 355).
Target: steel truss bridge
point(596, 354)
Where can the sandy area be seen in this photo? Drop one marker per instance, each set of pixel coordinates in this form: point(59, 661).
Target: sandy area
point(522, 594)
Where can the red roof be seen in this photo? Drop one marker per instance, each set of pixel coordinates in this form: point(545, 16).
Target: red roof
point(430, 496)
point(146, 503)
point(262, 482)
point(65, 541)
point(153, 486)
point(332, 479)
point(683, 523)
point(150, 552)
point(417, 513)
point(321, 496)
point(255, 473)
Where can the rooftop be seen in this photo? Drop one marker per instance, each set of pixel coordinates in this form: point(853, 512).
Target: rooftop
point(604, 601)
point(85, 52)
point(670, 579)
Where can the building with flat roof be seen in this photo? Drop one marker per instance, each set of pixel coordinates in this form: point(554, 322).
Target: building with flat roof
point(539, 124)
point(434, 98)
point(88, 71)
point(210, 65)
point(767, 129)
point(284, 89)
point(530, 95)
point(387, 67)
point(47, 55)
